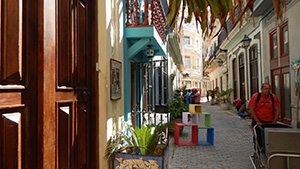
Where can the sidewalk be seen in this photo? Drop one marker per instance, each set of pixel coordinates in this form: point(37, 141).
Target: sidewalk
point(232, 144)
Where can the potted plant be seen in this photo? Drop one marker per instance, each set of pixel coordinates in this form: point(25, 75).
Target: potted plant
point(138, 148)
point(176, 107)
point(225, 99)
point(216, 93)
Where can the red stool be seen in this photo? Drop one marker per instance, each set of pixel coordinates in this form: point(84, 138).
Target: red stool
point(194, 141)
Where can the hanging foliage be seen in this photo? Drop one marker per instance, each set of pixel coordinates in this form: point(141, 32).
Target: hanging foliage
point(219, 11)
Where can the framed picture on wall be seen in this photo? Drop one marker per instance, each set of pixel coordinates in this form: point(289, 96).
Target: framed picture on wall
point(115, 79)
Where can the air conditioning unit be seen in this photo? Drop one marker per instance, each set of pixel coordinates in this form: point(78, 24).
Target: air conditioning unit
point(285, 141)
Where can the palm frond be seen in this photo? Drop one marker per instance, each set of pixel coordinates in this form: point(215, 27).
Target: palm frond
point(116, 144)
point(220, 10)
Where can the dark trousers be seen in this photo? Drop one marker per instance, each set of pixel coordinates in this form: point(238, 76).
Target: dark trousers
point(259, 132)
point(238, 108)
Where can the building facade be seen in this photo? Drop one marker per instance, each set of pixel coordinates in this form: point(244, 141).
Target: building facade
point(191, 45)
point(68, 77)
point(266, 59)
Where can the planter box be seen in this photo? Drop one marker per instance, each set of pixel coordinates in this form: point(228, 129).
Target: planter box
point(124, 160)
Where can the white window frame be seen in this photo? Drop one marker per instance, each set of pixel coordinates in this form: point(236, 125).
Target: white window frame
point(187, 62)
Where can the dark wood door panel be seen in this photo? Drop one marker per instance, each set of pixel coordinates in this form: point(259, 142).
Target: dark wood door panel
point(72, 134)
point(64, 133)
point(10, 99)
point(17, 137)
point(81, 49)
point(11, 41)
point(82, 134)
point(10, 140)
point(274, 63)
point(65, 53)
point(65, 95)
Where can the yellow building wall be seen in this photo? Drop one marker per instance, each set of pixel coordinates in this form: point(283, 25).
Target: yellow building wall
point(110, 46)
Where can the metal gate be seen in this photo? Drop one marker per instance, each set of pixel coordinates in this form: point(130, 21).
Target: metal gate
point(150, 92)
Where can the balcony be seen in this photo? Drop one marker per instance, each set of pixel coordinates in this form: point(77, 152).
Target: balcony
point(223, 34)
point(145, 28)
point(144, 14)
point(174, 50)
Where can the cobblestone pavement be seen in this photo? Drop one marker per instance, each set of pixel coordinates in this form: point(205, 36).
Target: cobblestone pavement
point(232, 144)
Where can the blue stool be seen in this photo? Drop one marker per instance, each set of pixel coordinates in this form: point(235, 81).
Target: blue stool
point(209, 137)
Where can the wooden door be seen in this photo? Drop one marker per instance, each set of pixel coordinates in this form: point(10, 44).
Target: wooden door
point(281, 88)
point(18, 85)
point(48, 85)
point(234, 78)
point(74, 85)
point(253, 70)
point(242, 76)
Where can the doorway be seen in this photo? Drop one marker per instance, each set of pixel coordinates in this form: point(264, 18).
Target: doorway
point(242, 76)
point(281, 88)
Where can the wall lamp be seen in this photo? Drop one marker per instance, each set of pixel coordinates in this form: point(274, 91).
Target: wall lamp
point(150, 52)
point(246, 41)
point(220, 62)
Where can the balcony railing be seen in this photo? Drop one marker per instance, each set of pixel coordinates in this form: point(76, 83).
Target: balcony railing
point(142, 14)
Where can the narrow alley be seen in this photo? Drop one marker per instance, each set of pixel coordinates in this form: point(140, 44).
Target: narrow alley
point(232, 144)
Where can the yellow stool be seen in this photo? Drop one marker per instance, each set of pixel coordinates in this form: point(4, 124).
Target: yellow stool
point(195, 108)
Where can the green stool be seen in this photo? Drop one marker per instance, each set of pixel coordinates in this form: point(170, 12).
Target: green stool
point(207, 120)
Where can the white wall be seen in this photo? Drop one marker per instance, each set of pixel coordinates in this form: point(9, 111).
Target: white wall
point(110, 46)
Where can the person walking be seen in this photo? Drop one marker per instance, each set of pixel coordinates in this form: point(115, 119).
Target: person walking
point(264, 108)
point(188, 96)
point(213, 97)
point(207, 96)
point(197, 97)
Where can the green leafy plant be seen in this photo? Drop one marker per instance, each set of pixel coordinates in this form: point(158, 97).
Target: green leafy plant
point(183, 89)
point(148, 136)
point(217, 94)
point(209, 92)
point(176, 107)
point(145, 138)
point(225, 94)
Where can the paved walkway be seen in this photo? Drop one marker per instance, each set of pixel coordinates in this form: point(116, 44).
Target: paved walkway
point(232, 144)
